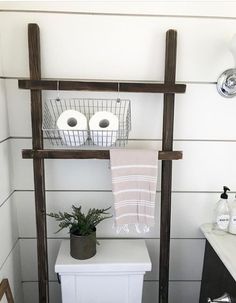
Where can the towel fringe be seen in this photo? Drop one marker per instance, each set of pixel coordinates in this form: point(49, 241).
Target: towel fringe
point(140, 228)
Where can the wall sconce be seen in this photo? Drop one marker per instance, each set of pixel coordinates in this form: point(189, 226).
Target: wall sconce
point(226, 84)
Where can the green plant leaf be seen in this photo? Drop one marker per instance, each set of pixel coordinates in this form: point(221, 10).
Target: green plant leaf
point(78, 222)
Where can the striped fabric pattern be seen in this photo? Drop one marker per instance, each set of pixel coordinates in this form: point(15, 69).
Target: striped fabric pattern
point(134, 182)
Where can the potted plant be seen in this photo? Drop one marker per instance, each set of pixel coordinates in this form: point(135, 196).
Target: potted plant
point(82, 228)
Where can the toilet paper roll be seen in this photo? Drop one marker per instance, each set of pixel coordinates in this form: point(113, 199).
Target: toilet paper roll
point(104, 127)
point(73, 127)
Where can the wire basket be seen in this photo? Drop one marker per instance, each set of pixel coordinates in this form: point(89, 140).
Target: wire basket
point(53, 108)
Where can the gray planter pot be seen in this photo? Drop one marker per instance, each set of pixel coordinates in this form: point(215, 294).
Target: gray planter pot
point(83, 247)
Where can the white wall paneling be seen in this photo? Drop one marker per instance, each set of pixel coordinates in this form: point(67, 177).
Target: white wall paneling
point(202, 205)
point(20, 124)
point(4, 127)
point(161, 8)
point(19, 109)
point(106, 46)
point(11, 269)
point(25, 207)
point(78, 46)
point(8, 229)
point(198, 112)
point(62, 201)
point(5, 184)
point(205, 167)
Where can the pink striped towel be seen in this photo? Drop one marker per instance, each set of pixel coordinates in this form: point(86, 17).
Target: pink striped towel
point(134, 181)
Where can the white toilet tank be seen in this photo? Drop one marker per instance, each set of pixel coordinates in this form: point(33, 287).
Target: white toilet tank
point(114, 275)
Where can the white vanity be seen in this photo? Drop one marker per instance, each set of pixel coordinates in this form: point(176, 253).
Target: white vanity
point(219, 269)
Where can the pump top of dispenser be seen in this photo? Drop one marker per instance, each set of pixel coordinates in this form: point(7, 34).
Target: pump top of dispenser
point(224, 194)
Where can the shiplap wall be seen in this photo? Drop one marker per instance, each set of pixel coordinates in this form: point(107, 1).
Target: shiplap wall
point(127, 47)
point(10, 267)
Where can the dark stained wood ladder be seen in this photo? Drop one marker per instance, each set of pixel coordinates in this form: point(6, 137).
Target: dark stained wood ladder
point(38, 164)
point(166, 172)
point(38, 153)
point(5, 289)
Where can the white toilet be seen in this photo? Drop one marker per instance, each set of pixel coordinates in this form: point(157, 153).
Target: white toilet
point(114, 275)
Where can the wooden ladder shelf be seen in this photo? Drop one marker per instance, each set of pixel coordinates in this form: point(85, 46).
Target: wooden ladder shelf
point(169, 88)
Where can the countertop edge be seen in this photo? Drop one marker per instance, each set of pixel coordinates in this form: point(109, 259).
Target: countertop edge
point(207, 231)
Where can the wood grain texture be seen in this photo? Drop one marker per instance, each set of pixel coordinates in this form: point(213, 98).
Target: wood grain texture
point(166, 179)
point(169, 88)
point(87, 154)
point(6, 290)
point(38, 164)
point(102, 86)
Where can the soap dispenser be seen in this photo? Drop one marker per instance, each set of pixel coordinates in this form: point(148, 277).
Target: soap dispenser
point(222, 214)
point(232, 221)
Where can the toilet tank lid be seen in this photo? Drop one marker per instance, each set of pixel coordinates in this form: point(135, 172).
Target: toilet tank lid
point(112, 256)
